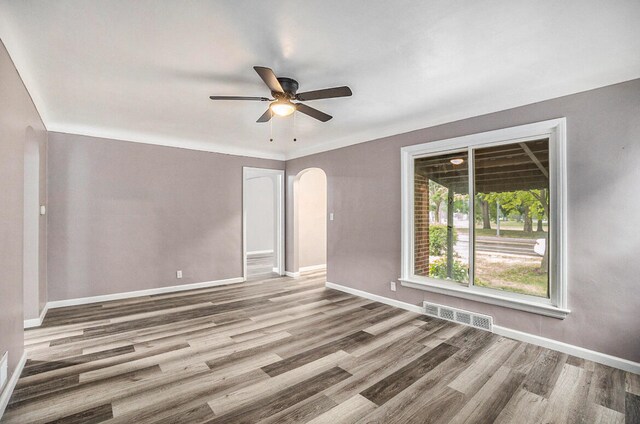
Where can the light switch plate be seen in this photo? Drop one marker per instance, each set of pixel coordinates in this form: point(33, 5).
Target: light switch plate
point(43, 209)
point(331, 216)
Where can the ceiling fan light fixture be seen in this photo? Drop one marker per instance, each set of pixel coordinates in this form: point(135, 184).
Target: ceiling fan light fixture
point(282, 107)
point(456, 161)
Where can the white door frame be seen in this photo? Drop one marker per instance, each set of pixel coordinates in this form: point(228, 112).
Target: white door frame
point(279, 213)
point(31, 230)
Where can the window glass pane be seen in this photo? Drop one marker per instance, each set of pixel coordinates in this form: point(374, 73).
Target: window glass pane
point(512, 217)
point(441, 217)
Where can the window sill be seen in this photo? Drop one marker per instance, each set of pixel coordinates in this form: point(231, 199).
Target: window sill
point(493, 299)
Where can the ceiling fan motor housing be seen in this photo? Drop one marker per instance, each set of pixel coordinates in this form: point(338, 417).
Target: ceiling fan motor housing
point(290, 87)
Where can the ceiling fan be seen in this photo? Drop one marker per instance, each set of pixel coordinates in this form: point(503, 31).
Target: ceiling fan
point(284, 90)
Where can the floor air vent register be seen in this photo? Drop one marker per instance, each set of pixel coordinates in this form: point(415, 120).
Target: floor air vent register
point(484, 322)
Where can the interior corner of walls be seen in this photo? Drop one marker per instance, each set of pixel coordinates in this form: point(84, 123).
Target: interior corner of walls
point(376, 298)
point(7, 391)
point(37, 322)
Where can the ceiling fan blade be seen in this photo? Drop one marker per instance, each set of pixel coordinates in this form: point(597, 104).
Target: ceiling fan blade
point(262, 99)
point(314, 113)
point(327, 93)
point(265, 116)
point(269, 78)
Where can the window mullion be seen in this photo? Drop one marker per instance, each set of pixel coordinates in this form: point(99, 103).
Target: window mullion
point(472, 215)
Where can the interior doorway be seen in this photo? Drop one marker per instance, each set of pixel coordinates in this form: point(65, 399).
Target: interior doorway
point(310, 220)
point(263, 222)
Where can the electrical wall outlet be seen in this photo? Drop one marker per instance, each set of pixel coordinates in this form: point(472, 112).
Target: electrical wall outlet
point(179, 273)
point(331, 216)
point(4, 364)
point(392, 285)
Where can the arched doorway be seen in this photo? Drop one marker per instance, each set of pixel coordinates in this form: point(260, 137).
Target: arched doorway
point(309, 221)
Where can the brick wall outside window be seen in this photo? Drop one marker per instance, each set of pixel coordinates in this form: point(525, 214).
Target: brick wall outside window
point(421, 225)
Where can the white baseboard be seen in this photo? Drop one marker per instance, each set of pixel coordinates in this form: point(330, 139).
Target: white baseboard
point(312, 268)
point(37, 322)
point(304, 269)
point(387, 301)
point(580, 352)
point(260, 252)
point(11, 384)
point(139, 293)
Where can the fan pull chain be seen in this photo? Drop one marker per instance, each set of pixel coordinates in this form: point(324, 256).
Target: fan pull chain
point(271, 129)
point(294, 127)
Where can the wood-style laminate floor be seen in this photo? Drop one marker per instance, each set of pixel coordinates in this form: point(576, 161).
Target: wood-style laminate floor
point(261, 265)
point(289, 350)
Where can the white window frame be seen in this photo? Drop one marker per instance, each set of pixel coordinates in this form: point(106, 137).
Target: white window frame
point(555, 130)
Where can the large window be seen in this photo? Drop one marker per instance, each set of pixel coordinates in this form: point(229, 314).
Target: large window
point(483, 217)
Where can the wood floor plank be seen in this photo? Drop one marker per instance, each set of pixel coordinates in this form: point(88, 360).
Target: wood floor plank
point(523, 407)
point(390, 386)
point(409, 405)
point(346, 343)
point(545, 372)
point(609, 387)
point(198, 414)
point(348, 411)
point(38, 367)
point(89, 416)
point(480, 371)
point(569, 400)
point(632, 408)
point(632, 383)
point(24, 393)
point(439, 407)
point(374, 366)
point(303, 411)
point(599, 414)
point(66, 402)
point(388, 324)
point(524, 357)
point(486, 405)
point(279, 350)
point(223, 404)
point(180, 396)
point(272, 404)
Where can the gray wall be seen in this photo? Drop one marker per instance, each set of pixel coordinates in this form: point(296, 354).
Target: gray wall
point(17, 114)
point(126, 216)
point(312, 218)
point(260, 214)
point(604, 236)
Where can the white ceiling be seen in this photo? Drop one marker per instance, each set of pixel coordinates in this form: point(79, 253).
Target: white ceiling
point(143, 70)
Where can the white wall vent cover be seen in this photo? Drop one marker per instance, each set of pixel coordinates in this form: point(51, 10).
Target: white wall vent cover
point(3, 369)
point(484, 322)
point(431, 309)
